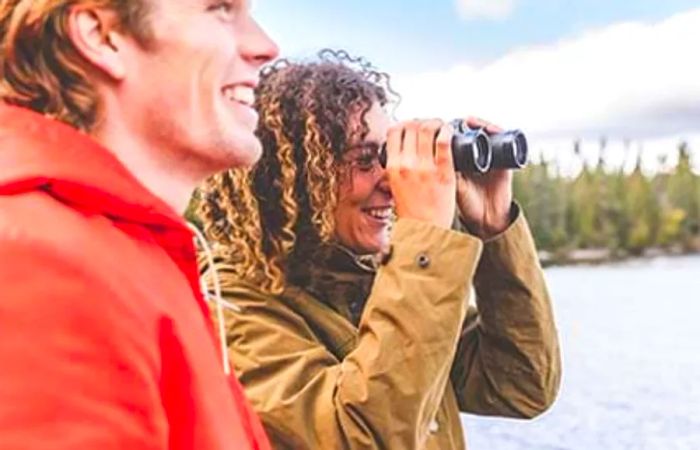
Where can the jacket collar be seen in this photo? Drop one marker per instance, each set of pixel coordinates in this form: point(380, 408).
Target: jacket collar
point(39, 153)
point(337, 277)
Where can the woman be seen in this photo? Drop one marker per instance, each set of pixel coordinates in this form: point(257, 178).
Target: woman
point(354, 329)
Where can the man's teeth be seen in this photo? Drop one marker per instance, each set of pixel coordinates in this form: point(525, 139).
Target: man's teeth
point(241, 94)
point(380, 213)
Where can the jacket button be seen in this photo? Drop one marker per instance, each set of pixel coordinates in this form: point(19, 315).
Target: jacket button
point(423, 260)
point(434, 426)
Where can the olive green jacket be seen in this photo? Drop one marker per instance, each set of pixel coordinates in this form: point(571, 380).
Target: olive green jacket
point(347, 358)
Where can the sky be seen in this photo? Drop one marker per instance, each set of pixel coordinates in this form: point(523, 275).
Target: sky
point(626, 70)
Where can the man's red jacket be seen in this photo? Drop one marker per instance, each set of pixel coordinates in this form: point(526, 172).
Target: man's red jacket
point(105, 340)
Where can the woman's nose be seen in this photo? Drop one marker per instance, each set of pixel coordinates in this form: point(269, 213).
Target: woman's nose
point(383, 181)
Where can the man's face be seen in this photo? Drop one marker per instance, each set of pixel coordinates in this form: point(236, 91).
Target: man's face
point(190, 90)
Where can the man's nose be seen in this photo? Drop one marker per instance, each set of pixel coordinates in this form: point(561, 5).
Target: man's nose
point(256, 45)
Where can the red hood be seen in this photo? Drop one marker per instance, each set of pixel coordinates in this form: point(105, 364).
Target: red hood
point(167, 358)
point(38, 153)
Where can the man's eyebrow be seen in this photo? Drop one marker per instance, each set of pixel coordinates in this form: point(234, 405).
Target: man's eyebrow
point(248, 4)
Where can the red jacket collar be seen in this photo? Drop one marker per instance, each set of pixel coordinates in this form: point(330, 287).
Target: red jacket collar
point(38, 153)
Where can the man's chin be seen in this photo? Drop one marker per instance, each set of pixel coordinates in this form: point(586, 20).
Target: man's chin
point(252, 156)
point(244, 152)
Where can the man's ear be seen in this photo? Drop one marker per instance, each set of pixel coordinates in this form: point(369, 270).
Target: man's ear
point(95, 35)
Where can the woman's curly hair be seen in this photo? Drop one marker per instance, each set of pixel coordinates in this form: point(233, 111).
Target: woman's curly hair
point(263, 219)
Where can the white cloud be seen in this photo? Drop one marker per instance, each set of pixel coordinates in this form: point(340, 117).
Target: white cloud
point(486, 9)
point(630, 80)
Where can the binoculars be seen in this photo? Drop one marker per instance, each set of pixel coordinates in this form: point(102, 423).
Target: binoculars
point(474, 151)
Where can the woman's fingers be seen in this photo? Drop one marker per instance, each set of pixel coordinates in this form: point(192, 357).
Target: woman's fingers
point(422, 178)
point(443, 149)
point(476, 122)
point(409, 148)
point(394, 141)
point(427, 134)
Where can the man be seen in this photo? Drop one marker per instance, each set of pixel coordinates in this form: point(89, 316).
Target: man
point(112, 112)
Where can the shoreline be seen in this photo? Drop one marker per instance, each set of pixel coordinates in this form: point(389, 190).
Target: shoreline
point(600, 256)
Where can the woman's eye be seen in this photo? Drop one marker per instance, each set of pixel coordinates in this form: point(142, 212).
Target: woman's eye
point(365, 162)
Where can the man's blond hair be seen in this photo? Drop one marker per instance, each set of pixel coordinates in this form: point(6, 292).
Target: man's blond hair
point(40, 67)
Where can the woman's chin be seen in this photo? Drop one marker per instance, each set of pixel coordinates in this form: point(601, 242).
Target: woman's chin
point(376, 244)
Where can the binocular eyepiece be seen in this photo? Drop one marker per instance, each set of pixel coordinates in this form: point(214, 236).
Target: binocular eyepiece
point(474, 151)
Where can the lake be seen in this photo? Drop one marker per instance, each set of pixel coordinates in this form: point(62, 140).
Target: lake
point(630, 339)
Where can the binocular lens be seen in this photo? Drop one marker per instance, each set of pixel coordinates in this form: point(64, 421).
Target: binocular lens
point(521, 150)
point(509, 150)
point(483, 157)
point(471, 151)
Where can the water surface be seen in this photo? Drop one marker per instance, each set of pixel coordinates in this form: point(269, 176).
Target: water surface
point(630, 337)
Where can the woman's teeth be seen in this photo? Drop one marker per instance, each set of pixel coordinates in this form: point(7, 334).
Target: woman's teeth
point(379, 213)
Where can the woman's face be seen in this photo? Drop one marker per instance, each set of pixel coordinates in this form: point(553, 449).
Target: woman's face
point(363, 215)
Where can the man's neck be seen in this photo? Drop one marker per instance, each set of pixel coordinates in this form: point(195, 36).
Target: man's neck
point(158, 170)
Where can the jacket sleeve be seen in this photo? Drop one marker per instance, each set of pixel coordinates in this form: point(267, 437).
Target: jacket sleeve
point(508, 361)
point(385, 392)
point(69, 377)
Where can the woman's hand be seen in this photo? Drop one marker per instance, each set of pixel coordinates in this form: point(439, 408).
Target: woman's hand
point(421, 172)
point(484, 201)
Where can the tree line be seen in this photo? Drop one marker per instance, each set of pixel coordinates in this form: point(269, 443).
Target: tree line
point(618, 212)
